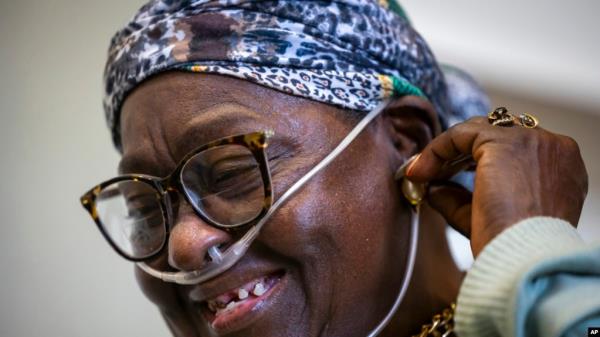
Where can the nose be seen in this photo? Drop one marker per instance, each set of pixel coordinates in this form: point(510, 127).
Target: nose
point(190, 240)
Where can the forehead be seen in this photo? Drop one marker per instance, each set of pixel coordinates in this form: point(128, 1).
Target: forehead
point(171, 114)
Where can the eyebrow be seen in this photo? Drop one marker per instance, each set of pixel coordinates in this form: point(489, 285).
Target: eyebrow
point(134, 163)
point(205, 126)
point(208, 125)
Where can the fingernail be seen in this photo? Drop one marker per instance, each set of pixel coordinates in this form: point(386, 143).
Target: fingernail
point(412, 165)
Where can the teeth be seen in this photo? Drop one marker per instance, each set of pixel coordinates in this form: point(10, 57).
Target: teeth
point(259, 289)
point(219, 308)
point(242, 294)
point(212, 306)
point(229, 307)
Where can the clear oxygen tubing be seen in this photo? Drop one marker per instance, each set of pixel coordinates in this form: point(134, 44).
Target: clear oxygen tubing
point(410, 264)
point(222, 261)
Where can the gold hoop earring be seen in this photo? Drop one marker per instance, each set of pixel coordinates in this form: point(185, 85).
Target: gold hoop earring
point(413, 192)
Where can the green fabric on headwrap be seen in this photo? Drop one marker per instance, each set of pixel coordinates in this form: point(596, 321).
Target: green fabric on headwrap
point(402, 88)
point(395, 7)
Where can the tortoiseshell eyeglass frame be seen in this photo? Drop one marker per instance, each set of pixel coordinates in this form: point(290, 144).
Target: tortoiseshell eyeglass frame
point(256, 142)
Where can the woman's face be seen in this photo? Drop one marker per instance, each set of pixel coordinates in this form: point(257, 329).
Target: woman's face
point(331, 257)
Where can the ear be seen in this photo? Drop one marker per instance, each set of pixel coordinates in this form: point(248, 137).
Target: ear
point(412, 123)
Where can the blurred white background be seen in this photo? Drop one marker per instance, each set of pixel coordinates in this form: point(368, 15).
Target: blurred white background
point(62, 279)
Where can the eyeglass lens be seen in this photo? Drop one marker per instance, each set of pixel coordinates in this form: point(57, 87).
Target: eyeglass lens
point(223, 183)
point(131, 216)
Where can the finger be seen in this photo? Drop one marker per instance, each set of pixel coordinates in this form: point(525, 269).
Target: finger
point(453, 202)
point(450, 149)
point(451, 168)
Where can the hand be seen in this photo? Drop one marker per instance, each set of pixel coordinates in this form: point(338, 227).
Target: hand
point(520, 173)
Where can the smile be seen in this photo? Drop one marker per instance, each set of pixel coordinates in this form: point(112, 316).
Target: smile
point(236, 308)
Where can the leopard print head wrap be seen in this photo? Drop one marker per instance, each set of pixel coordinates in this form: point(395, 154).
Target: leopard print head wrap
point(349, 53)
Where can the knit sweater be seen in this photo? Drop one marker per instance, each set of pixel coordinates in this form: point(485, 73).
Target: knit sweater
point(536, 279)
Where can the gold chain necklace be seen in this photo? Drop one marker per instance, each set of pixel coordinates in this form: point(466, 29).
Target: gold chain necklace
point(442, 325)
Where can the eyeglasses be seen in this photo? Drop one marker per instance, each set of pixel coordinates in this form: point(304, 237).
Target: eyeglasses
point(227, 182)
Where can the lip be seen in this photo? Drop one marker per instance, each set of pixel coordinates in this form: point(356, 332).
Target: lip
point(239, 275)
point(245, 313)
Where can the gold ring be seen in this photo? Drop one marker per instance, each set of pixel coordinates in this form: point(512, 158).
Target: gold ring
point(501, 117)
point(528, 120)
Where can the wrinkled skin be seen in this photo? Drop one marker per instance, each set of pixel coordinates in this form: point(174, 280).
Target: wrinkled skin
point(520, 173)
point(342, 239)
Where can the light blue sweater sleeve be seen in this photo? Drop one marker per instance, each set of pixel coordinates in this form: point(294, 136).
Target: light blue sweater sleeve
point(536, 279)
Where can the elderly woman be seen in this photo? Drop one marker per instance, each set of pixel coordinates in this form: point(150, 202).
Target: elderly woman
point(266, 187)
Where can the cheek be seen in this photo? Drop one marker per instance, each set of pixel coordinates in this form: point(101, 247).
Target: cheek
point(166, 297)
point(342, 230)
point(162, 294)
point(348, 205)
